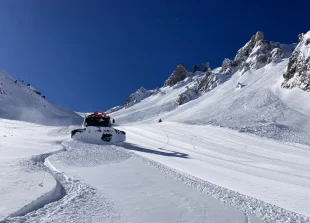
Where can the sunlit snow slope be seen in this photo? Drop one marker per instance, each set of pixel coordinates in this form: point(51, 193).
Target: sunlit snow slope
point(265, 169)
point(47, 177)
point(19, 102)
point(262, 148)
point(260, 106)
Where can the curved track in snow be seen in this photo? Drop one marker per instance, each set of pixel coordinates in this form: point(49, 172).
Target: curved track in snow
point(170, 172)
point(69, 196)
point(56, 194)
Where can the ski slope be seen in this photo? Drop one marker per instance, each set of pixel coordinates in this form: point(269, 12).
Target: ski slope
point(165, 172)
point(56, 179)
point(252, 139)
point(274, 172)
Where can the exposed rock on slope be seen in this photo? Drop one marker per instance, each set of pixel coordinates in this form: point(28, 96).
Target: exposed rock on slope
point(275, 56)
point(207, 82)
point(228, 66)
point(136, 97)
point(115, 109)
point(298, 70)
point(255, 54)
point(188, 95)
point(177, 75)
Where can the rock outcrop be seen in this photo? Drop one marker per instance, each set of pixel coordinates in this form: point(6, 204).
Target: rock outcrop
point(256, 53)
point(114, 109)
point(188, 95)
point(136, 97)
point(275, 56)
point(297, 73)
point(209, 81)
point(177, 75)
point(228, 66)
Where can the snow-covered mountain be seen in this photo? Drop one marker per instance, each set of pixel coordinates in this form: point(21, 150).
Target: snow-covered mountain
point(245, 94)
point(25, 103)
point(184, 169)
point(135, 98)
point(297, 73)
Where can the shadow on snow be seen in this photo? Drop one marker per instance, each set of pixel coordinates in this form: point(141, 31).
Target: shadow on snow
point(134, 147)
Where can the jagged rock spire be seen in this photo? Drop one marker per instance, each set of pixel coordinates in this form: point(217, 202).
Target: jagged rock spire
point(177, 75)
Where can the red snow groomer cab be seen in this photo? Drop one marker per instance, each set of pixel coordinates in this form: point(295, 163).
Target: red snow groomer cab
point(98, 127)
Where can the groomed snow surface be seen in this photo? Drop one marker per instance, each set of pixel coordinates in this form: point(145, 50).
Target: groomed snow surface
point(96, 183)
point(165, 172)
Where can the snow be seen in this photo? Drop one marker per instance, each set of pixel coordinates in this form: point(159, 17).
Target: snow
point(19, 141)
point(250, 162)
point(255, 108)
point(143, 194)
point(21, 103)
point(108, 182)
point(165, 172)
point(265, 169)
point(295, 98)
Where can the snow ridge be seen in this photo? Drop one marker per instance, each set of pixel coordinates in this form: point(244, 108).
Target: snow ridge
point(57, 193)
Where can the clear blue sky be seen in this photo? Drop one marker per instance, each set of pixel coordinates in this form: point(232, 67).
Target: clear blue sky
point(90, 55)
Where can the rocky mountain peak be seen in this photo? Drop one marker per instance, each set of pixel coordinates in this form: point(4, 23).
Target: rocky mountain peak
point(177, 75)
point(141, 90)
point(259, 36)
point(255, 54)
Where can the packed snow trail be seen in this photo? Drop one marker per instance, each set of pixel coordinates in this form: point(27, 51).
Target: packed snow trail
point(273, 172)
point(139, 191)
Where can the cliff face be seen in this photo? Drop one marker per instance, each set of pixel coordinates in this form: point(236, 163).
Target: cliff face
point(297, 73)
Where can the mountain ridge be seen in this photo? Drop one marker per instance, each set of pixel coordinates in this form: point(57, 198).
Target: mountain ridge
point(255, 54)
point(249, 99)
point(20, 102)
